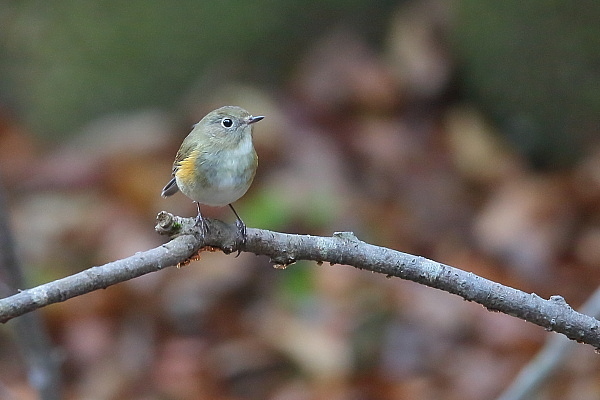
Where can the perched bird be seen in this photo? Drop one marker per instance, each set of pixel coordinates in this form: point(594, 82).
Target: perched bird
point(216, 162)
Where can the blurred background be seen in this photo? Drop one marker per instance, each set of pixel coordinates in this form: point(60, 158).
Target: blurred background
point(466, 131)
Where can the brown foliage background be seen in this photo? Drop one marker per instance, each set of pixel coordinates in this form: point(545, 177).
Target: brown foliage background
point(377, 131)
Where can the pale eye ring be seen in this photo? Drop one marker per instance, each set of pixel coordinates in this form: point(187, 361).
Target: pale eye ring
point(226, 122)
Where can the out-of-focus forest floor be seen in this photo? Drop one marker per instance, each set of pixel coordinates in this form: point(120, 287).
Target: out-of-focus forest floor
point(378, 140)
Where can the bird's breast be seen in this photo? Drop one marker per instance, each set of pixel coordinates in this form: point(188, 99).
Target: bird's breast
point(220, 177)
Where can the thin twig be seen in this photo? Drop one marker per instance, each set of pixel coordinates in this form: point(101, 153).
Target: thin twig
point(284, 249)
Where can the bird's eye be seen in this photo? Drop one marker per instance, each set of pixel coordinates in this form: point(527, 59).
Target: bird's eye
point(226, 122)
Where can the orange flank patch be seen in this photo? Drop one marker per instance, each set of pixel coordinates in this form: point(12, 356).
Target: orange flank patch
point(186, 168)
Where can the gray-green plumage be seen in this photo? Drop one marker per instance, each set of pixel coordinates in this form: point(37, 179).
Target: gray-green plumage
point(216, 162)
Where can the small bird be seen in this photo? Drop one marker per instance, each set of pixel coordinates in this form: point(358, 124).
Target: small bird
point(216, 162)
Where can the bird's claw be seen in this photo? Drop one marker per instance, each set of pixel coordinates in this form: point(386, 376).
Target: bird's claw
point(202, 224)
point(242, 237)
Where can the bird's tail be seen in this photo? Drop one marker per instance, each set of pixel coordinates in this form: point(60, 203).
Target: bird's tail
point(170, 188)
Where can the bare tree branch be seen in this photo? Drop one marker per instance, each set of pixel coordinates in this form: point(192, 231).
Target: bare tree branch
point(284, 249)
point(548, 360)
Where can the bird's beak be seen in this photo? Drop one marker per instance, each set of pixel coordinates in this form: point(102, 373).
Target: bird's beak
point(252, 119)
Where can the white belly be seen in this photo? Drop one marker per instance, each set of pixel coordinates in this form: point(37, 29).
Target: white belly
point(224, 181)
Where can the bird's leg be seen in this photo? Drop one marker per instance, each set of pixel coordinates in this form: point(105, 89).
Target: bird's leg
point(241, 226)
point(201, 222)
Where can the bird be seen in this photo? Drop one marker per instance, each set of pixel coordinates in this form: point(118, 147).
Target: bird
point(216, 162)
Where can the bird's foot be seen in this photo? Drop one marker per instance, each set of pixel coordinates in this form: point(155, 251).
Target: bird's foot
point(242, 237)
point(202, 224)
